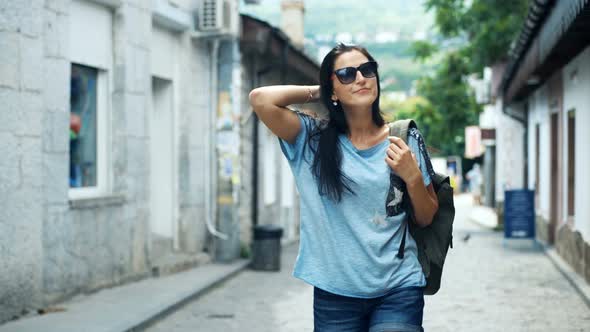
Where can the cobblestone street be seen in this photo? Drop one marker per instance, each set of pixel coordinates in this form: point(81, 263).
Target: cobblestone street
point(488, 285)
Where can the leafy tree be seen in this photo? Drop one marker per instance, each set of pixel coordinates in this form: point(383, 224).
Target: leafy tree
point(488, 26)
point(453, 103)
point(417, 108)
point(481, 32)
point(423, 50)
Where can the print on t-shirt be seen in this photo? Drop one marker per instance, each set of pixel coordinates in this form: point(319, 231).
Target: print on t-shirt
point(395, 196)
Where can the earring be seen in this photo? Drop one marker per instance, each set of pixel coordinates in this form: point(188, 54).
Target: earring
point(335, 103)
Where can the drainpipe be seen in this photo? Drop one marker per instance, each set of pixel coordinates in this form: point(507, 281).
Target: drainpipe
point(211, 186)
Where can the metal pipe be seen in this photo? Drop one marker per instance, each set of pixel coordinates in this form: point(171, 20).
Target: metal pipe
point(211, 188)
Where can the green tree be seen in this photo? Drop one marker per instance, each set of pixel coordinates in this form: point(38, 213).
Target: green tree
point(487, 26)
point(423, 50)
point(480, 32)
point(417, 108)
point(453, 103)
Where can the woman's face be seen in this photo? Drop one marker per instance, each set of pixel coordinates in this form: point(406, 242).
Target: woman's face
point(362, 92)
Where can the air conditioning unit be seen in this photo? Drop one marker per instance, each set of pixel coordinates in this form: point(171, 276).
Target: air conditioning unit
point(213, 15)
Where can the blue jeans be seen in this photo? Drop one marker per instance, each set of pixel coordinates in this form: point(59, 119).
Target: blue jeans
point(400, 310)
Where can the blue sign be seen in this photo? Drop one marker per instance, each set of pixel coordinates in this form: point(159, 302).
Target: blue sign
point(519, 213)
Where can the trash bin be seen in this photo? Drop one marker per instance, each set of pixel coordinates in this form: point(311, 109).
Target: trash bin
point(266, 249)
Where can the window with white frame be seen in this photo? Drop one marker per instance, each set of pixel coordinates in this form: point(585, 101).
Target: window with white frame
point(83, 125)
point(91, 49)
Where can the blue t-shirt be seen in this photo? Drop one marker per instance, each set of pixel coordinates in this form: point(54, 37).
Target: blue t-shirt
point(349, 247)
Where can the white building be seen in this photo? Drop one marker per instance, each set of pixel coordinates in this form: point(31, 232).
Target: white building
point(545, 89)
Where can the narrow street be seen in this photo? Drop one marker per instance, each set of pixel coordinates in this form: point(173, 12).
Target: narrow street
point(488, 285)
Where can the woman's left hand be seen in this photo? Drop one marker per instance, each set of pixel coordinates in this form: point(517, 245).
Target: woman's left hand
point(402, 161)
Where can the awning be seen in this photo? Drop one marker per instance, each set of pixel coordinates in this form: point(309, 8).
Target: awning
point(260, 39)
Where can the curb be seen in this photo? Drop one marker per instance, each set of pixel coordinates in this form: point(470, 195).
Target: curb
point(132, 307)
point(572, 277)
point(172, 307)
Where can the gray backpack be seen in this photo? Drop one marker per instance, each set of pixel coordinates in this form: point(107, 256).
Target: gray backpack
point(434, 240)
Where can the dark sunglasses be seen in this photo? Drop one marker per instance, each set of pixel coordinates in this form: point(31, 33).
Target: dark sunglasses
point(347, 75)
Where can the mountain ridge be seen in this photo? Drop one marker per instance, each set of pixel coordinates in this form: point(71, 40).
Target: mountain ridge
point(386, 28)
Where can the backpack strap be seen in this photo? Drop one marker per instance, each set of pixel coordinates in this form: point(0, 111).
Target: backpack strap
point(400, 129)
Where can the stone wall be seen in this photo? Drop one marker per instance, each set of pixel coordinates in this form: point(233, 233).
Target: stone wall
point(246, 194)
point(29, 103)
point(542, 229)
point(574, 250)
point(51, 246)
point(102, 241)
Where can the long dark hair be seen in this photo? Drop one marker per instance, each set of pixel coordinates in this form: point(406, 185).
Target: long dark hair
point(327, 159)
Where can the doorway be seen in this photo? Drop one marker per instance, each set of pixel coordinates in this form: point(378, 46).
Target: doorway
point(554, 171)
point(162, 172)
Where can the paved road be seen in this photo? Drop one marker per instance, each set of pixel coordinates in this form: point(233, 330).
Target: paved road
point(488, 285)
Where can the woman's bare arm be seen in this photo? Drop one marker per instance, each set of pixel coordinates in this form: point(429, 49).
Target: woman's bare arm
point(424, 201)
point(270, 104)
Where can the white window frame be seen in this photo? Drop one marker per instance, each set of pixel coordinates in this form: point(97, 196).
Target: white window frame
point(103, 136)
point(104, 91)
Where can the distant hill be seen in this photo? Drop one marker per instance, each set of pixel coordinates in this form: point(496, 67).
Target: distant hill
point(386, 27)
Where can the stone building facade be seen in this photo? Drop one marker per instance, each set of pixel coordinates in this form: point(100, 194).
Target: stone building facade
point(105, 133)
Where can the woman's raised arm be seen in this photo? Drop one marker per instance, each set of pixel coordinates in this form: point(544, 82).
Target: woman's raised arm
point(270, 104)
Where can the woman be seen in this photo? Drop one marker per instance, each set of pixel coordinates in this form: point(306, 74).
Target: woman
point(351, 213)
point(475, 179)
